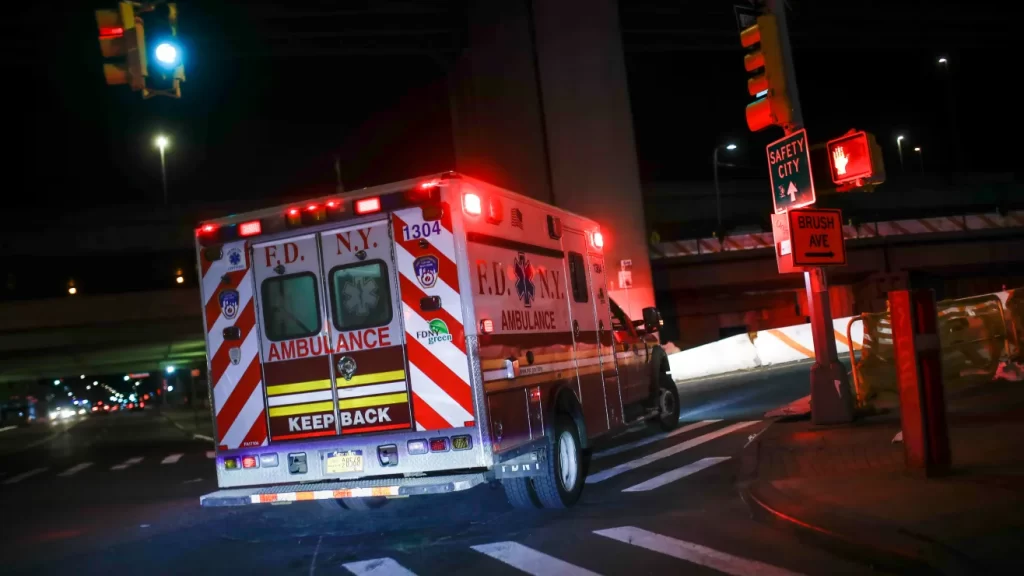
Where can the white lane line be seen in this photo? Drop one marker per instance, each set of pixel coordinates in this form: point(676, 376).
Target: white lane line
point(673, 475)
point(6, 428)
point(651, 439)
point(75, 469)
point(701, 555)
point(670, 451)
point(530, 561)
point(127, 463)
point(211, 454)
point(172, 459)
point(24, 475)
point(378, 567)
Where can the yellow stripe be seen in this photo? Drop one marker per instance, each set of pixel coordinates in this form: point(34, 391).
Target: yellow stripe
point(302, 409)
point(298, 387)
point(372, 401)
point(372, 378)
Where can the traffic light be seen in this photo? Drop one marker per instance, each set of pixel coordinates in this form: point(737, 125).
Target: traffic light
point(154, 67)
point(856, 159)
point(167, 71)
point(122, 39)
point(773, 107)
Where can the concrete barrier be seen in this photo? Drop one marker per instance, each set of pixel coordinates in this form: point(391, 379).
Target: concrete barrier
point(759, 349)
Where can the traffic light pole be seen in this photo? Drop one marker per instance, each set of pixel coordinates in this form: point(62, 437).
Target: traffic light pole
point(831, 398)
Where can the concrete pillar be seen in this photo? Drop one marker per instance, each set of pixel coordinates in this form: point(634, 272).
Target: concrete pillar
point(540, 105)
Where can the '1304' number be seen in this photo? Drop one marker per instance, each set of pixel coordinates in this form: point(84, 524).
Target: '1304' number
point(425, 230)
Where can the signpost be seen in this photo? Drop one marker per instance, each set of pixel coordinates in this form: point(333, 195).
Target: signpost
point(816, 237)
point(789, 164)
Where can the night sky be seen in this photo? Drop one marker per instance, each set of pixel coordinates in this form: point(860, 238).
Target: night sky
point(267, 108)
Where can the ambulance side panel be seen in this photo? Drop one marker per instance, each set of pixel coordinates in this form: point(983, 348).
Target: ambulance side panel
point(518, 283)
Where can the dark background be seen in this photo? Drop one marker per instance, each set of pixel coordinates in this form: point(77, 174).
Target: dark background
point(276, 92)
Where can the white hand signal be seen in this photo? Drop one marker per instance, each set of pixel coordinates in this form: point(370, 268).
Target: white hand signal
point(840, 159)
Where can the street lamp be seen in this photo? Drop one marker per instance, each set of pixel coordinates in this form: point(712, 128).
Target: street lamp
point(162, 142)
point(899, 146)
point(170, 369)
point(920, 158)
point(944, 62)
point(718, 195)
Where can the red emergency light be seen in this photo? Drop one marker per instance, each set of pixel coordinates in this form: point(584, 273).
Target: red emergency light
point(368, 205)
point(248, 462)
point(487, 326)
point(849, 158)
point(471, 204)
point(597, 240)
point(252, 228)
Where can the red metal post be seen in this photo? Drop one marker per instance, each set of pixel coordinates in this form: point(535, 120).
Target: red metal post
point(919, 378)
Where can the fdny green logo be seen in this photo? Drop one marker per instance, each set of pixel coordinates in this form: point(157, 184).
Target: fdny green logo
point(438, 332)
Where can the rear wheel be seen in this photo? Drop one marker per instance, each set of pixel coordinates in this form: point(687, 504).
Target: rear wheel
point(518, 491)
point(561, 483)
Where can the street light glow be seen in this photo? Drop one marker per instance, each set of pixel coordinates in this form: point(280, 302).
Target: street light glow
point(917, 149)
point(162, 141)
point(942, 60)
point(730, 147)
point(898, 138)
point(170, 369)
point(126, 378)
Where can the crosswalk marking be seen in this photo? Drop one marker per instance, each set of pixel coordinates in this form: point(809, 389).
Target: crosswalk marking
point(24, 475)
point(529, 560)
point(673, 475)
point(651, 439)
point(378, 567)
point(695, 553)
point(172, 459)
point(75, 469)
point(671, 451)
point(127, 463)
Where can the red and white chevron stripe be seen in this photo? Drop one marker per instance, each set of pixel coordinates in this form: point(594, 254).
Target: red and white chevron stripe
point(439, 371)
point(237, 386)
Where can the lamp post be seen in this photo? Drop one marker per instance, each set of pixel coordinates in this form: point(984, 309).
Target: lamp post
point(899, 147)
point(162, 142)
point(718, 194)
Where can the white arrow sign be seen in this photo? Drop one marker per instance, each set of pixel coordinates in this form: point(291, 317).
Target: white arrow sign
point(792, 192)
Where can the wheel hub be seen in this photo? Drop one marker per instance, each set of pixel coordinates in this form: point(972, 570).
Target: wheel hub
point(568, 462)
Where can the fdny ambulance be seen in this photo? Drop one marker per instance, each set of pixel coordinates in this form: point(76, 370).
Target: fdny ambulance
point(415, 338)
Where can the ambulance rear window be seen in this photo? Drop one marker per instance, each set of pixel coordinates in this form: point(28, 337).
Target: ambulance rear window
point(291, 306)
point(360, 295)
point(578, 277)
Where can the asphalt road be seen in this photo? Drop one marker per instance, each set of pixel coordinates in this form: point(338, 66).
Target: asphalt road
point(119, 494)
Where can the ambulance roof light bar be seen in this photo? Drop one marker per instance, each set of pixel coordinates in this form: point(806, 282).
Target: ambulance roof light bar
point(368, 205)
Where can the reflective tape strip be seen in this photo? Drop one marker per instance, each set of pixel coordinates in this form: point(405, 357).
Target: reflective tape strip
point(279, 389)
point(372, 390)
point(302, 409)
point(324, 494)
point(372, 378)
point(371, 401)
point(299, 398)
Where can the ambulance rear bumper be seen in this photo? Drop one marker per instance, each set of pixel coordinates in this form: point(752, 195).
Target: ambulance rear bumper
point(344, 489)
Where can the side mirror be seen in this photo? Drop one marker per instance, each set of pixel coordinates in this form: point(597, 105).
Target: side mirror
point(652, 320)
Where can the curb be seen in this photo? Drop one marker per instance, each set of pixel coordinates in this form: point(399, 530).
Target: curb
point(877, 545)
point(194, 435)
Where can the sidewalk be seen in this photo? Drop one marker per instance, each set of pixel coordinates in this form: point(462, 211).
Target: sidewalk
point(846, 488)
point(198, 424)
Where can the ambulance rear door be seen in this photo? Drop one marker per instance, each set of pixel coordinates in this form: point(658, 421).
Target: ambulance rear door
point(365, 328)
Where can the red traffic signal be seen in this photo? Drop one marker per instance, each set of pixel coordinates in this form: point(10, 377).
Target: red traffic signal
point(849, 158)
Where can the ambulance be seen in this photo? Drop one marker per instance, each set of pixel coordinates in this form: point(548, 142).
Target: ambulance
point(417, 338)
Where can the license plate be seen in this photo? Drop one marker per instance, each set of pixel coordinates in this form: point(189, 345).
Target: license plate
point(344, 462)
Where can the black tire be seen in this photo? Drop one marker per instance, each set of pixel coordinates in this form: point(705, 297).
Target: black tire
point(550, 487)
point(668, 404)
point(518, 491)
point(354, 504)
